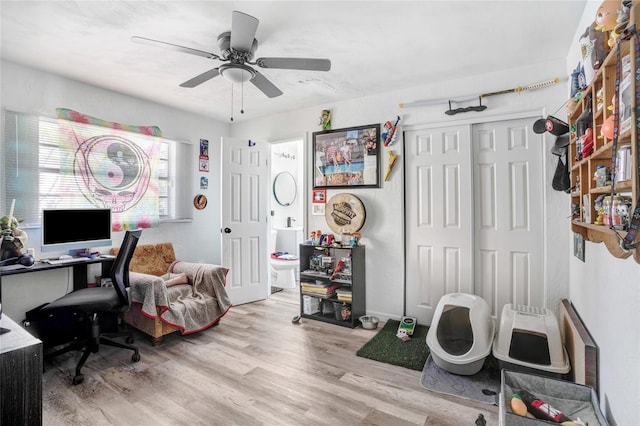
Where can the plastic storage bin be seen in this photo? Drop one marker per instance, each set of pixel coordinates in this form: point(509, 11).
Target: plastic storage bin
point(310, 305)
point(572, 399)
point(342, 311)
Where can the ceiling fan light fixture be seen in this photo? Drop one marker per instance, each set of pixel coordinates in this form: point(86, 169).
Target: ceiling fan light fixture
point(237, 73)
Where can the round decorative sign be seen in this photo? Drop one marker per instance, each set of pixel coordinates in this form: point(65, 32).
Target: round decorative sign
point(200, 201)
point(345, 214)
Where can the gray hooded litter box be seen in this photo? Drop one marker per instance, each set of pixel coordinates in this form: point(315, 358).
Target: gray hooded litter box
point(461, 333)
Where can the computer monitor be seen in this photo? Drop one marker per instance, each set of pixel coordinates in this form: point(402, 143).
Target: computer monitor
point(75, 229)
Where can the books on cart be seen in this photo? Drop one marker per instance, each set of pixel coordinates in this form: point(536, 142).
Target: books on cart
point(320, 289)
point(344, 294)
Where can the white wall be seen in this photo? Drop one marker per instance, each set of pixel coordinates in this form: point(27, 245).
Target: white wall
point(32, 91)
point(383, 232)
point(606, 293)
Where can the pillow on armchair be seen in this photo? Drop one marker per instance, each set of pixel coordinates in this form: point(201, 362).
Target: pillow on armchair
point(152, 259)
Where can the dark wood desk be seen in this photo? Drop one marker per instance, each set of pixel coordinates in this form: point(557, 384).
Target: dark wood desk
point(79, 269)
point(21, 373)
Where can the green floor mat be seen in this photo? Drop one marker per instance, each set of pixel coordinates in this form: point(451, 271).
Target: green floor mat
point(386, 347)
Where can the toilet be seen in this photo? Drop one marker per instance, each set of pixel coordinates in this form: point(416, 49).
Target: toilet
point(284, 269)
point(461, 334)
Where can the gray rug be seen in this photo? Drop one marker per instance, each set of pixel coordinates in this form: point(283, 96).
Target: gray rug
point(483, 386)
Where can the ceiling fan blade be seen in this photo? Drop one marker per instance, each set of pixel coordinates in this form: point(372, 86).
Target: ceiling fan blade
point(243, 31)
point(157, 43)
point(265, 86)
point(295, 63)
point(199, 79)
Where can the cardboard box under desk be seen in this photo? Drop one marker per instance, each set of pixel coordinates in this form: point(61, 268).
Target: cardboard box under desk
point(573, 399)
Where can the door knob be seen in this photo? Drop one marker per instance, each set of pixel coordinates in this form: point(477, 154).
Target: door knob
point(227, 230)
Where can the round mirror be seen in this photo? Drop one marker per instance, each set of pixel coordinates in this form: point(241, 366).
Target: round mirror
point(284, 188)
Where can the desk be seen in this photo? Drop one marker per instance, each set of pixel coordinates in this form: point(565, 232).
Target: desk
point(79, 269)
point(21, 372)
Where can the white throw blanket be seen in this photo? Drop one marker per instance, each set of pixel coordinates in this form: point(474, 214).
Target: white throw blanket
point(191, 307)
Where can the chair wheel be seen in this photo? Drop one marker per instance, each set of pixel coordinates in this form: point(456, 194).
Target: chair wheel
point(78, 379)
point(129, 340)
point(135, 357)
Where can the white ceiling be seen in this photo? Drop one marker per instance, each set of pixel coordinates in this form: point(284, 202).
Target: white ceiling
point(374, 46)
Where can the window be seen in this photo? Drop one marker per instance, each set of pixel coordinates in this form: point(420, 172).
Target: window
point(36, 173)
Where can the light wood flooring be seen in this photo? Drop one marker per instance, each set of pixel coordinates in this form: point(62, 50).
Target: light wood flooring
point(255, 368)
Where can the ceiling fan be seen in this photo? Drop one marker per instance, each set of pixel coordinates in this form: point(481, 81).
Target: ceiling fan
point(237, 48)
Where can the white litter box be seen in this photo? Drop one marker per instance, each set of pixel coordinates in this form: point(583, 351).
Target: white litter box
point(528, 340)
point(461, 333)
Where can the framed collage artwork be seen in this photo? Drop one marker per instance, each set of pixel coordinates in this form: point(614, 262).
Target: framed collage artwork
point(347, 158)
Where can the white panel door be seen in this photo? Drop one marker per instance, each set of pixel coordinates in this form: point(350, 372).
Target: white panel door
point(439, 218)
point(244, 213)
point(508, 213)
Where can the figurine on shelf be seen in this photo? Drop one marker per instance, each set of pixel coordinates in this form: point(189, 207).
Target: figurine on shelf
point(315, 237)
point(355, 237)
point(602, 176)
point(325, 119)
point(599, 220)
point(587, 142)
point(608, 125)
point(599, 207)
point(606, 19)
point(12, 241)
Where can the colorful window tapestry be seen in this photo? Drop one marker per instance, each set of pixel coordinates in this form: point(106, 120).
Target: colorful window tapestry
point(111, 165)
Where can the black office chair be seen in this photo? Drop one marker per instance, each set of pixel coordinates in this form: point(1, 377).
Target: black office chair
point(96, 302)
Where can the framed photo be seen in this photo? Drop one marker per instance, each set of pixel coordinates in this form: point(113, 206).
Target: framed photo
point(346, 158)
point(319, 196)
point(317, 209)
point(204, 148)
point(578, 246)
point(204, 165)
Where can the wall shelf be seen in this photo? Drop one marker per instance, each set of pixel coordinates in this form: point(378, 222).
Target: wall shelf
point(602, 234)
point(584, 191)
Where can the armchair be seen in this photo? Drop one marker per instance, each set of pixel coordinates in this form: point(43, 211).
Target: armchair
point(90, 304)
point(159, 306)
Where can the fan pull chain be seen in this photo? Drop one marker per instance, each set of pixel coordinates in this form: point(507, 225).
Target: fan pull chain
point(242, 98)
point(231, 101)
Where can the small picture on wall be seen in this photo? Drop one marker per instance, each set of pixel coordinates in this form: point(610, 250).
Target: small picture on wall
point(578, 246)
point(204, 148)
point(200, 201)
point(318, 209)
point(204, 164)
point(204, 182)
point(319, 196)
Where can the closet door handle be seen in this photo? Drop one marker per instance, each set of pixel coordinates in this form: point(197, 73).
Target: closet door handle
point(227, 230)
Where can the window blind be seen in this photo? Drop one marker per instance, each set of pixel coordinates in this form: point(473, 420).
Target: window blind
point(36, 164)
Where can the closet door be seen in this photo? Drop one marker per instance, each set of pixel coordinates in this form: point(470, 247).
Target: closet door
point(439, 217)
point(474, 215)
point(509, 215)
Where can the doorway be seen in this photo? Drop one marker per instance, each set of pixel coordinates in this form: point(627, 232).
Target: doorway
point(287, 215)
